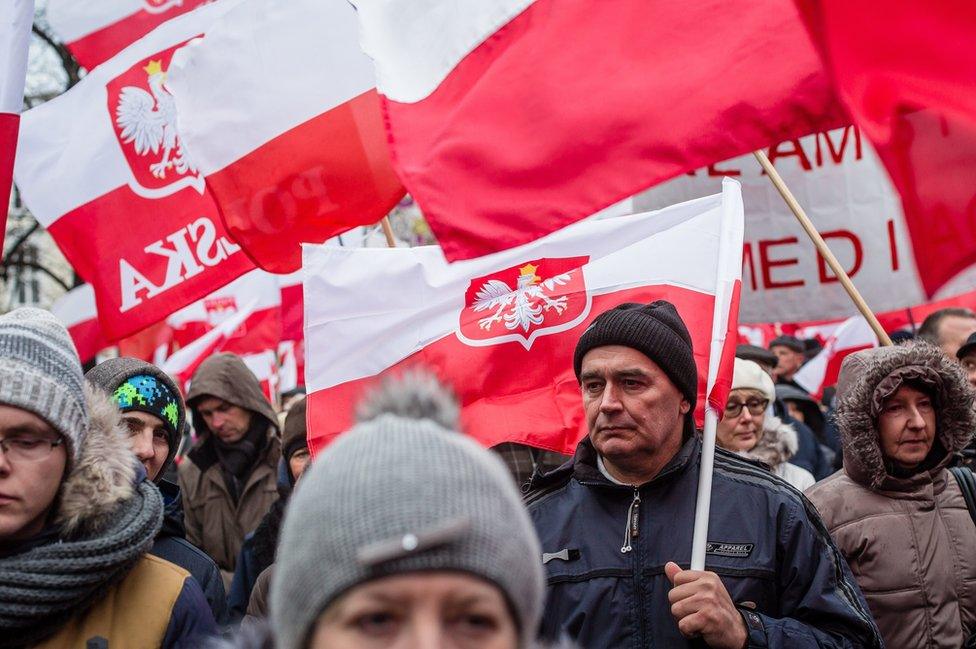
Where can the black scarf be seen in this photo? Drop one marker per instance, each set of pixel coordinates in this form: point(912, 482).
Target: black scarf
point(238, 459)
point(44, 586)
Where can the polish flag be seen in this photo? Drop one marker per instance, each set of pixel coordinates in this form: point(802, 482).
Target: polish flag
point(279, 108)
point(76, 310)
point(822, 370)
point(94, 32)
point(501, 329)
point(291, 349)
point(15, 35)
point(182, 364)
point(259, 333)
point(264, 367)
point(104, 169)
point(510, 119)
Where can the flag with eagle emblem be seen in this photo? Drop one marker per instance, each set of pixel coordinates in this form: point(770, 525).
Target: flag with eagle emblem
point(104, 168)
point(501, 329)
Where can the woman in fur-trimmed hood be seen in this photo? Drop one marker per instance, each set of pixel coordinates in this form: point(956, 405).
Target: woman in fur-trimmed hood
point(895, 511)
point(76, 516)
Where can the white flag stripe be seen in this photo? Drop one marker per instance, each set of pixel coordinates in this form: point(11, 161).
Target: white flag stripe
point(424, 296)
point(89, 163)
point(76, 306)
point(257, 285)
point(416, 43)
point(15, 34)
point(245, 67)
point(72, 19)
point(854, 333)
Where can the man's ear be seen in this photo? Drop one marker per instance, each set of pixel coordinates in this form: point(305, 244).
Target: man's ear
point(685, 407)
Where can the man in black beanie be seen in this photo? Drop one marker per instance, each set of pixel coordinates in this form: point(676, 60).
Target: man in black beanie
point(774, 578)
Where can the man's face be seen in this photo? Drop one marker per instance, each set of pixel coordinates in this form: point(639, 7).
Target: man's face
point(906, 427)
point(227, 421)
point(31, 470)
point(633, 411)
point(968, 363)
point(298, 462)
point(148, 440)
point(953, 332)
point(789, 361)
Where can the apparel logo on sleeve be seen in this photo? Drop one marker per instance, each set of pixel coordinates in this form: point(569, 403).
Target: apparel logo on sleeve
point(718, 548)
point(144, 119)
point(547, 296)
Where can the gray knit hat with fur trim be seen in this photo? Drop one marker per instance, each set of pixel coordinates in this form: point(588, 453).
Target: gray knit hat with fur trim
point(402, 492)
point(40, 372)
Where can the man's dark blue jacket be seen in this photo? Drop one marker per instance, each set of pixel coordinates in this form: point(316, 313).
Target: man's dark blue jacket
point(766, 543)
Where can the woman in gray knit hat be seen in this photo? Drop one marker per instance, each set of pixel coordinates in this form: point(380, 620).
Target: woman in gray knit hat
point(404, 533)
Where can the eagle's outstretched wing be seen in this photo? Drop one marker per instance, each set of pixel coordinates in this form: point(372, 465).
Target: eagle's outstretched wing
point(139, 120)
point(556, 280)
point(492, 294)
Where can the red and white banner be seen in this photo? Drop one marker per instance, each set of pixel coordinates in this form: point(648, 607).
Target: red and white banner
point(278, 106)
point(94, 32)
point(76, 310)
point(15, 35)
point(837, 178)
point(291, 350)
point(907, 75)
point(104, 169)
point(512, 118)
point(821, 371)
point(501, 329)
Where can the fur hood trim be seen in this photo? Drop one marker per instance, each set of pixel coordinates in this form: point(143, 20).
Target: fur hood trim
point(104, 475)
point(868, 377)
point(777, 445)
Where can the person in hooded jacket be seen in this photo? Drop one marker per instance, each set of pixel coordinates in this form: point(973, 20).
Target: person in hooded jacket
point(228, 480)
point(154, 417)
point(77, 514)
point(896, 513)
point(248, 592)
point(750, 429)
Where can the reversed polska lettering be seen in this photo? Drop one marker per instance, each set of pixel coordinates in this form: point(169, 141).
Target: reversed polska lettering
point(182, 261)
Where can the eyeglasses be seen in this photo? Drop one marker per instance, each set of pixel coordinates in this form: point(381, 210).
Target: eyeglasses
point(756, 407)
point(28, 449)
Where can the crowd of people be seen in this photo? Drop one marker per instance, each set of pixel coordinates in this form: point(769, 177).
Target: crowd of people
point(132, 517)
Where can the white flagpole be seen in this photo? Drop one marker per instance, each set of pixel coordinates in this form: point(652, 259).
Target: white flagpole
point(729, 269)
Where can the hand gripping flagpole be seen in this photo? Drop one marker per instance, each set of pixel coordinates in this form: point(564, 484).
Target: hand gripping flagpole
point(729, 269)
point(822, 248)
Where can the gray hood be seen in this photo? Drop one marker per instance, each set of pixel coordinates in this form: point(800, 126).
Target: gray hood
point(869, 377)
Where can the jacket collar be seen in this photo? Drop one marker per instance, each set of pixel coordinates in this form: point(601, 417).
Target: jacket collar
point(586, 472)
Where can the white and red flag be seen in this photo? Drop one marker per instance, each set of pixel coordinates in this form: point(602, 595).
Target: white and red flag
point(822, 370)
point(15, 35)
point(94, 32)
point(104, 169)
point(291, 349)
point(501, 329)
point(76, 310)
point(512, 118)
point(279, 107)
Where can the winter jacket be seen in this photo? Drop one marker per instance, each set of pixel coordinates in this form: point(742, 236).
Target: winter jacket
point(104, 587)
point(775, 448)
point(214, 521)
point(607, 587)
point(910, 541)
point(810, 454)
point(171, 545)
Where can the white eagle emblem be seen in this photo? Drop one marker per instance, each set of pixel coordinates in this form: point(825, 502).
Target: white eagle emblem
point(148, 121)
point(522, 306)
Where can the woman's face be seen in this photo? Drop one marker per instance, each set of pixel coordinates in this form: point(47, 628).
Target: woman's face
point(442, 610)
point(741, 432)
point(906, 427)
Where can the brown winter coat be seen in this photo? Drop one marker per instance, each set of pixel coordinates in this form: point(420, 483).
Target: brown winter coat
point(910, 542)
point(214, 523)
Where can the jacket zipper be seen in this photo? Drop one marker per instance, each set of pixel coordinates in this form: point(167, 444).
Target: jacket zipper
point(633, 522)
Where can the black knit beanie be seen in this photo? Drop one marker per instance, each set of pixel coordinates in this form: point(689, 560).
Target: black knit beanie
point(655, 330)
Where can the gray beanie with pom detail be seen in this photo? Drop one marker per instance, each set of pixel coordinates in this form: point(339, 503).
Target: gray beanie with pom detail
point(402, 492)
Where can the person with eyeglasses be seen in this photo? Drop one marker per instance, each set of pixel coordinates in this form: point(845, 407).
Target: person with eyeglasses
point(749, 428)
point(77, 514)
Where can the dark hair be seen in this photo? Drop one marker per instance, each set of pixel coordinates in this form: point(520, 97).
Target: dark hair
point(929, 331)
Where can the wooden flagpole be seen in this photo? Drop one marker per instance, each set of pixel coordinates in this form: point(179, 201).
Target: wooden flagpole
point(388, 232)
point(822, 248)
